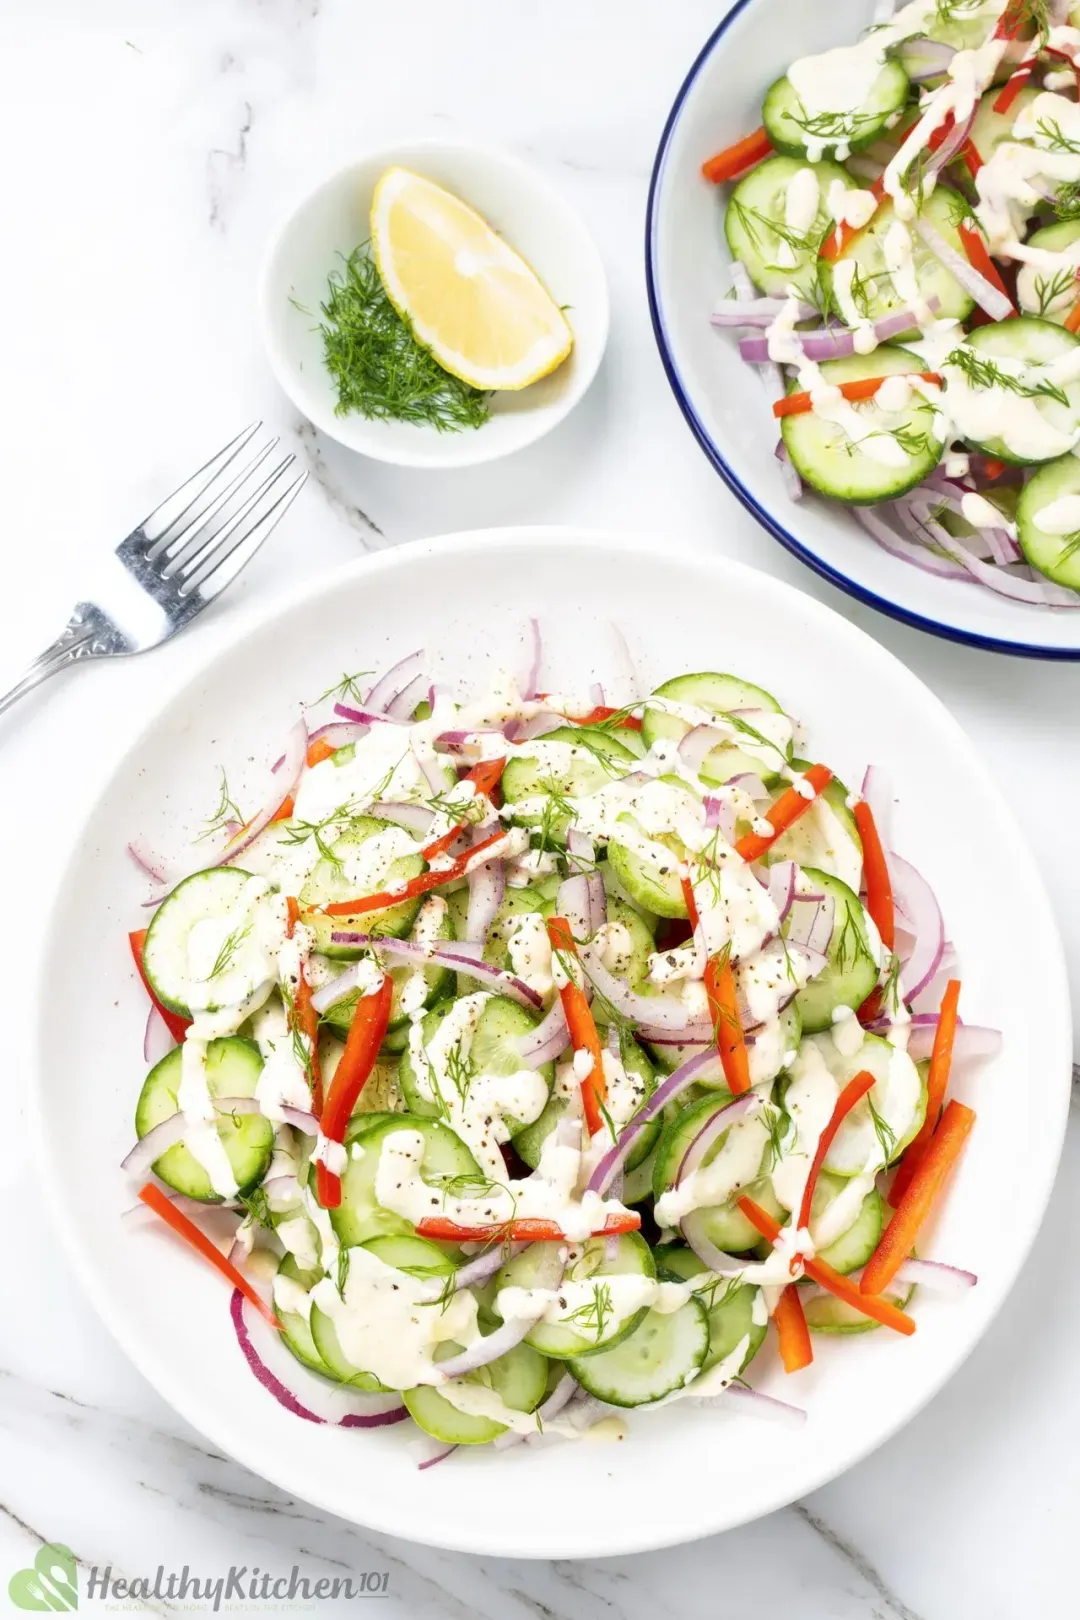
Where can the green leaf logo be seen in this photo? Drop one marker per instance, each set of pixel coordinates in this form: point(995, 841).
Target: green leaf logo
point(52, 1583)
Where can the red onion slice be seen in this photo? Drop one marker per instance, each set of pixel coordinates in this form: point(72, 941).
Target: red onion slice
point(920, 904)
point(416, 818)
point(835, 343)
point(484, 1266)
point(296, 744)
point(712, 1258)
point(580, 848)
point(698, 743)
point(157, 1038)
point(755, 311)
point(597, 901)
point(432, 1457)
point(971, 1041)
point(910, 551)
point(878, 795)
point(659, 1012)
point(782, 886)
point(574, 902)
point(147, 861)
point(547, 1041)
point(395, 680)
point(810, 922)
point(1036, 591)
point(675, 1084)
point(365, 716)
point(766, 1406)
point(338, 734)
point(536, 654)
point(487, 885)
point(371, 1416)
point(488, 1349)
point(138, 1160)
point(933, 1274)
point(749, 783)
point(720, 814)
point(724, 1118)
point(401, 707)
point(951, 145)
point(450, 954)
point(988, 297)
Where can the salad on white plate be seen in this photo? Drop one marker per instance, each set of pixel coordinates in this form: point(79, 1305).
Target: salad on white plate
point(905, 234)
point(521, 1058)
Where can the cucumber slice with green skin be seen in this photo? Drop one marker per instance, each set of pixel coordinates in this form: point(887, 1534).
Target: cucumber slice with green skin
point(991, 128)
point(637, 1183)
point(595, 758)
point(791, 131)
point(854, 1247)
point(407, 1253)
point(632, 960)
point(873, 287)
point(834, 464)
point(335, 1363)
point(329, 884)
point(898, 1096)
point(295, 1330)
point(440, 983)
point(825, 837)
point(757, 206)
point(360, 1217)
point(529, 1143)
point(1033, 342)
point(730, 1306)
point(826, 1314)
point(774, 1059)
point(1050, 294)
point(233, 1067)
point(653, 884)
point(715, 693)
point(493, 1051)
point(594, 1328)
point(1055, 555)
point(663, 1354)
point(725, 1225)
point(200, 897)
point(852, 970)
point(514, 904)
point(519, 1378)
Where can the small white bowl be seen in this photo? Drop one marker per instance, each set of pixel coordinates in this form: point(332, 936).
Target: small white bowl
point(516, 202)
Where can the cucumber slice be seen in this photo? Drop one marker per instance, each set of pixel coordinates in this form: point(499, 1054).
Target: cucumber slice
point(515, 903)
point(593, 758)
point(854, 1247)
point(835, 465)
point(651, 880)
point(1031, 342)
point(791, 131)
point(991, 128)
point(663, 1354)
point(898, 1097)
point(330, 883)
point(877, 292)
point(407, 1253)
point(596, 1326)
point(1046, 292)
point(825, 837)
point(755, 224)
point(439, 980)
point(637, 1184)
point(493, 1051)
point(360, 1217)
point(731, 1307)
point(336, 1363)
point(826, 1314)
point(725, 1225)
point(852, 969)
point(519, 1378)
point(295, 1329)
point(529, 1143)
point(1057, 555)
point(233, 1067)
point(200, 898)
point(768, 1054)
point(714, 693)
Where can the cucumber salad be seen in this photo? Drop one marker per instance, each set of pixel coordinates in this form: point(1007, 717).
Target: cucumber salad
point(521, 1058)
point(905, 231)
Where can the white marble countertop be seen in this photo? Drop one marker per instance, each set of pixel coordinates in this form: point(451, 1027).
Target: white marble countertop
point(151, 146)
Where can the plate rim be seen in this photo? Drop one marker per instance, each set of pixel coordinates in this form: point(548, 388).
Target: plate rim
point(184, 1398)
point(790, 542)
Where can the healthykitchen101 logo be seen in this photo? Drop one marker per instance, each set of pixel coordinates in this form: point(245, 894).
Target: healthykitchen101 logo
point(52, 1582)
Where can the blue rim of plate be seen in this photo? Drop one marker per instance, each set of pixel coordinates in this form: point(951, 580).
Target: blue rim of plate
point(935, 627)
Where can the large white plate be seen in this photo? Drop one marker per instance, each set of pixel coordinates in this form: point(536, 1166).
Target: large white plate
point(682, 1473)
point(686, 256)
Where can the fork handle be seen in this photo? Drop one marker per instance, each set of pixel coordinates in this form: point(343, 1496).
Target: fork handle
point(67, 649)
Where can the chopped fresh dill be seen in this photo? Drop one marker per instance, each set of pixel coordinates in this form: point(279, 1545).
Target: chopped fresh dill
point(712, 1295)
point(256, 1206)
point(342, 1269)
point(469, 1184)
point(1055, 138)
point(225, 811)
point(589, 1319)
point(849, 946)
point(1049, 289)
point(754, 223)
point(831, 126)
point(347, 687)
point(608, 1121)
point(759, 737)
point(381, 370)
point(982, 372)
point(775, 1122)
point(227, 953)
point(460, 1071)
point(1067, 200)
point(890, 986)
point(882, 1130)
point(555, 820)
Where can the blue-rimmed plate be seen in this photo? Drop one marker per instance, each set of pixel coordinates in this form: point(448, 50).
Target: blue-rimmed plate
point(686, 260)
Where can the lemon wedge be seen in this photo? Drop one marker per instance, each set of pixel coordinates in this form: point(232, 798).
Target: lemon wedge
point(469, 298)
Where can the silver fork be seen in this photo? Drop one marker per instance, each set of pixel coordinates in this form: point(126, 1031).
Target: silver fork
point(176, 561)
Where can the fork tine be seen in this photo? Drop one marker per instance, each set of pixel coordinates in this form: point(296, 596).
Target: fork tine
point(174, 506)
point(172, 554)
point(223, 570)
point(210, 547)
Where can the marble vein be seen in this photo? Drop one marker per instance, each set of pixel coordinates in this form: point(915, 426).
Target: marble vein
point(851, 1555)
point(355, 516)
point(87, 1564)
point(224, 165)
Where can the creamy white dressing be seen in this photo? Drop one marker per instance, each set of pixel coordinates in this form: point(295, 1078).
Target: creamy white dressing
point(736, 1165)
point(1061, 516)
point(390, 1323)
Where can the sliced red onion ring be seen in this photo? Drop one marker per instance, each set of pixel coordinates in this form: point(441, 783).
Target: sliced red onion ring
point(488, 1349)
point(920, 904)
point(811, 922)
point(536, 654)
point(401, 707)
point(545, 1043)
point(696, 1032)
point(388, 1410)
point(712, 1258)
point(935, 1275)
point(487, 885)
point(925, 58)
point(573, 902)
point(782, 886)
point(138, 1160)
point(951, 145)
point(432, 770)
point(450, 954)
point(484, 1266)
point(395, 680)
point(988, 297)
point(724, 1118)
point(299, 1119)
point(580, 847)
point(147, 861)
point(720, 816)
point(337, 734)
point(910, 551)
point(877, 793)
point(750, 783)
point(416, 818)
point(537, 725)
point(1038, 592)
point(432, 1457)
point(766, 1406)
point(835, 343)
point(296, 744)
point(755, 311)
point(157, 1038)
point(698, 743)
point(675, 1084)
point(971, 1041)
point(659, 1012)
point(365, 716)
point(597, 901)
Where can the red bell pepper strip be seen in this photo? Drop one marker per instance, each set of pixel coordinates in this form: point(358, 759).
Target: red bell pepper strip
point(993, 468)
point(852, 1093)
point(735, 160)
point(979, 259)
point(582, 1026)
point(879, 895)
point(799, 403)
point(1072, 319)
point(598, 715)
point(415, 886)
point(527, 1230)
point(899, 1236)
point(175, 1024)
point(369, 1020)
point(723, 1007)
point(937, 1081)
point(968, 151)
point(837, 241)
point(1014, 84)
point(786, 810)
point(306, 1020)
point(319, 750)
point(796, 1351)
point(879, 1310)
point(484, 778)
point(155, 1199)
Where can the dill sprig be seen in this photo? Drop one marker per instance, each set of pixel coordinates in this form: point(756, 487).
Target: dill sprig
point(227, 953)
point(982, 372)
point(1049, 289)
point(1067, 200)
point(381, 370)
point(589, 1319)
point(754, 223)
point(347, 687)
point(1055, 138)
point(831, 126)
point(225, 811)
point(883, 1131)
